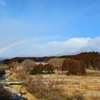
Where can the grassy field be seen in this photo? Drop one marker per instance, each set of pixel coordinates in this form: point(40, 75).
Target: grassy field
point(84, 87)
point(63, 87)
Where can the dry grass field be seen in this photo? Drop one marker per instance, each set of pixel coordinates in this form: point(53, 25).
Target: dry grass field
point(72, 87)
point(83, 87)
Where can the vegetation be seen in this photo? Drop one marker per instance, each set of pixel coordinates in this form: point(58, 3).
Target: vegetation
point(42, 91)
point(42, 69)
point(28, 64)
point(21, 74)
point(74, 67)
point(56, 62)
point(4, 94)
point(2, 72)
point(54, 90)
point(91, 59)
point(23, 69)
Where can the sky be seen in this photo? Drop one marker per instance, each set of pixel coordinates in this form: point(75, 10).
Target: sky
point(48, 27)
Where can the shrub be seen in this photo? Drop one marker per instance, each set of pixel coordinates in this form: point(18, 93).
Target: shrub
point(21, 74)
point(40, 69)
point(28, 64)
point(4, 94)
point(42, 90)
point(2, 72)
point(56, 62)
point(74, 67)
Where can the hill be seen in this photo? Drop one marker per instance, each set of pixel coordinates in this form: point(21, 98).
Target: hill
point(91, 59)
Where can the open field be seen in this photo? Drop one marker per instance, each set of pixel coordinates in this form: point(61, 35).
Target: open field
point(86, 86)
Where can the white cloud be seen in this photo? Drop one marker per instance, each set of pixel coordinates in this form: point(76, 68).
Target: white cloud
point(71, 46)
point(92, 45)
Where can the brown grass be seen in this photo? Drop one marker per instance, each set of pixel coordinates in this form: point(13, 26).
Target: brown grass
point(46, 91)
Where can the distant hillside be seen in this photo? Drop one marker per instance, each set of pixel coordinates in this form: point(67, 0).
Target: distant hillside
point(91, 59)
point(21, 59)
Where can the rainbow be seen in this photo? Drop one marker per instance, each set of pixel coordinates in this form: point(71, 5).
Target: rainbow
point(14, 44)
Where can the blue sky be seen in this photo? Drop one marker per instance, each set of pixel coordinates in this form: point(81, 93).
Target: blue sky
point(44, 25)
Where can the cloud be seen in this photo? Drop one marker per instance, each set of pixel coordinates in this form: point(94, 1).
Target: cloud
point(71, 46)
point(3, 3)
point(92, 45)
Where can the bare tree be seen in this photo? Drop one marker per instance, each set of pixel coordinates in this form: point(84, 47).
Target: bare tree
point(56, 62)
point(28, 64)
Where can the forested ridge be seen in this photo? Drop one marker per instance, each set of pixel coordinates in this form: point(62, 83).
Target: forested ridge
point(90, 59)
